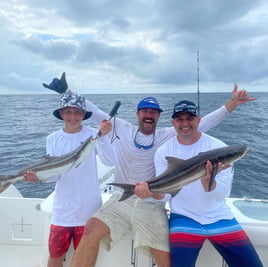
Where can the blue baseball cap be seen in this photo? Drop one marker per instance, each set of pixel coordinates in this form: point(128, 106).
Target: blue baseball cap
point(185, 106)
point(149, 102)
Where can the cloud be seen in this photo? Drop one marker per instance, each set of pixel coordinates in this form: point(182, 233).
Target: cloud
point(133, 46)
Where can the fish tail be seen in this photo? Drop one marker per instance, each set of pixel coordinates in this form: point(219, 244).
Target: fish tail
point(128, 190)
point(6, 177)
point(5, 181)
point(4, 186)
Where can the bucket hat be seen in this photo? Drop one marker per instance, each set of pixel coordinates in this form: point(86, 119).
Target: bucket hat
point(73, 100)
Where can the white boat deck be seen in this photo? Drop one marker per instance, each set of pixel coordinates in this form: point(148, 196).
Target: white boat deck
point(25, 227)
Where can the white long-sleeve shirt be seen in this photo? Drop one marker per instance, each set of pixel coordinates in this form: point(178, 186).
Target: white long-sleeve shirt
point(192, 201)
point(135, 164)
point(77, 192)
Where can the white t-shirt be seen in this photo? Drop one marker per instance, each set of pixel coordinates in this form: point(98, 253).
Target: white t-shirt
point(77, 192)
point(192, 201)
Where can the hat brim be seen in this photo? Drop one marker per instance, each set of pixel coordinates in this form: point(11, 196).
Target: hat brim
point(56, 113)
point(186, 111)
point(152, 107)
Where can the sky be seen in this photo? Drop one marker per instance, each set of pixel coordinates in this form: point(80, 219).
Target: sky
point(134, 46)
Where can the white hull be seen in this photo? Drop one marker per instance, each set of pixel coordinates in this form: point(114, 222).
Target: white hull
point(25, 227)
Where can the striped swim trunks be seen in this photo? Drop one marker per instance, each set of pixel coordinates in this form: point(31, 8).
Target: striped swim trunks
point(227, 236)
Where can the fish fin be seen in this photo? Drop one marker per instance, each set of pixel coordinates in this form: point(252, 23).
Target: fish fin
point(173, 163)
point(126, 194)
point(128, 190)
point(213, 175)
point(4, 187)
point(75, 165)
point(175, 192)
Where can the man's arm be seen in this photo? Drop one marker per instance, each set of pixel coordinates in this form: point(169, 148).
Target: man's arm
point(238, 98)
point(104, 147)
point(142, 191)
point(211, 120)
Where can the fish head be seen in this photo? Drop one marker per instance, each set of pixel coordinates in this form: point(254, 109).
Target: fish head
point(231, 154)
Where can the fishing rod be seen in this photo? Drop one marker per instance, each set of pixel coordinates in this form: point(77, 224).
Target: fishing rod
point(114, 110)
point(198, 101)
point(112, 113)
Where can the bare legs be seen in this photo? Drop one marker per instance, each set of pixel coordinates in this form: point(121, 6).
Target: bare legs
point(57, 262)
point(162, 258)
point(87, 250)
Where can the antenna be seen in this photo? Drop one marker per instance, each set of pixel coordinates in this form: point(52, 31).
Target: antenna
point(197, 59)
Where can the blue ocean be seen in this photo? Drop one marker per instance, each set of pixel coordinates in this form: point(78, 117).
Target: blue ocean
point(26, 120)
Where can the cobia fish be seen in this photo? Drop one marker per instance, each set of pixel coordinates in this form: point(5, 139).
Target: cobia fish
point(51, 166)
point(182, 172)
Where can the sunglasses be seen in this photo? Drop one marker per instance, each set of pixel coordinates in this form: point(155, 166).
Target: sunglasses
point(185, 107)
point(142, 146)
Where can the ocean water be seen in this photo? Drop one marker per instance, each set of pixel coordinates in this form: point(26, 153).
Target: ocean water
point(26, 120)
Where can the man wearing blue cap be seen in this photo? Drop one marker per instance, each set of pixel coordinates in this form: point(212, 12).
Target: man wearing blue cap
point(135, 149)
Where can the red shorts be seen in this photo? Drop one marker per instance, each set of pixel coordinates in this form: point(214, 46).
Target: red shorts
point(60, 238)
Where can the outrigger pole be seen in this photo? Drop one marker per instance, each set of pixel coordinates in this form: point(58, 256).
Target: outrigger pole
point(198, 105)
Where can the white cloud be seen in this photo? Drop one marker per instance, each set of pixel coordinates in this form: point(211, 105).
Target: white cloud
point(133, 46)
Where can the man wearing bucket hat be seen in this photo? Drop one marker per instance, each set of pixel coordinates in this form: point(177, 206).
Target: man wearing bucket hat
point(77, 192)
point(135, 149)
point(199, 211)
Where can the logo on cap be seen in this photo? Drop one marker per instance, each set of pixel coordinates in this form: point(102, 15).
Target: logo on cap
point(149, 102)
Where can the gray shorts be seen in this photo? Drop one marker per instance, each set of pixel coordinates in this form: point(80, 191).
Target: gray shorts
point(147, 221)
